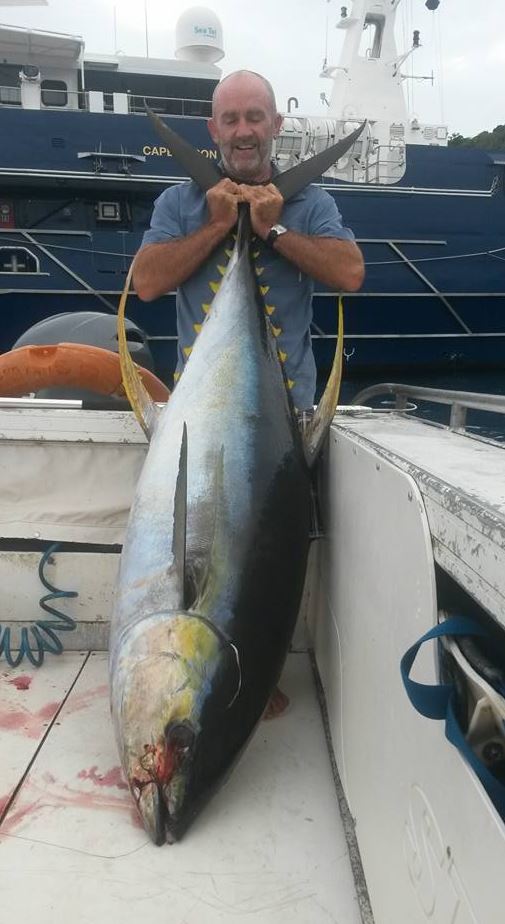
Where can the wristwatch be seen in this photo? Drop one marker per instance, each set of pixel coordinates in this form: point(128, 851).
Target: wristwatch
point(274, 233)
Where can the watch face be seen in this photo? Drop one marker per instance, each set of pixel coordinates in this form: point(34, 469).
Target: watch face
point(274, 233)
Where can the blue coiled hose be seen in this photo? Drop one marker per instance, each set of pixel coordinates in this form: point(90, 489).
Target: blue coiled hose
point(41, 636)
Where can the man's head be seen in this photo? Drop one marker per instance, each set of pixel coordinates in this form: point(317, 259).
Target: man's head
point(244, 122)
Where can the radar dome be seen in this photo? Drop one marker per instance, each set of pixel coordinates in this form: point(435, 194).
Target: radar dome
point(199, 36)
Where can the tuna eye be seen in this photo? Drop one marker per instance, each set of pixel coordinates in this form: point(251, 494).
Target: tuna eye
point(179, 735)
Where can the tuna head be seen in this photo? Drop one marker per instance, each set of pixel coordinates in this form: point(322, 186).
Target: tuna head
point(174, 680)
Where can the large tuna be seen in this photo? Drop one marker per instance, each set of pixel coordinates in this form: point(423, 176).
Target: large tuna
point(214, 557)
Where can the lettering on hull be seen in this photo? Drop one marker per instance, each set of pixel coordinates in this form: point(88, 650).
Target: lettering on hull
point(159, 151)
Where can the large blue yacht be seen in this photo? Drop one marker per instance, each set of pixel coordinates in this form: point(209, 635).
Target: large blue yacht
point(80, 167)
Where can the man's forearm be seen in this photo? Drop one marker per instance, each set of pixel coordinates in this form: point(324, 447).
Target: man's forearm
point(160, 268)
point(336, 263)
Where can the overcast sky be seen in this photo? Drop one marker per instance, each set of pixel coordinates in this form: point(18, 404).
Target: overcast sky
point(463, 43)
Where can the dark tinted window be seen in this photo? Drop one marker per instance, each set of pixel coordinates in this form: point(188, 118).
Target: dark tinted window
point(54, 93)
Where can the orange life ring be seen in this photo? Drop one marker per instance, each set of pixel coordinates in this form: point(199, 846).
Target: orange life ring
point(76, 365)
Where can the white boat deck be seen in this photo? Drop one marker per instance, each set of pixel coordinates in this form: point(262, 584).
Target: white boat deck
point(462, 484)
point(270, 848)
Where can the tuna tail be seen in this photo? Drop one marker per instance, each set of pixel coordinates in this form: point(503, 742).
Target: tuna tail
point(205, 173)
point(317, 428)
point(143, 405)
point(292, 181)
point(202, 170)
point(244, 228)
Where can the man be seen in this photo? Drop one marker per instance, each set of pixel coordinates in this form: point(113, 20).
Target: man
point(190, 239)
point(190, 235)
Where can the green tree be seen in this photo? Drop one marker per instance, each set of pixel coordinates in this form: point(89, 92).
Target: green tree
point(489, 141)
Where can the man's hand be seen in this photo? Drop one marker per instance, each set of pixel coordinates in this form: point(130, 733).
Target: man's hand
point(266, 204)
point(222, 202)
point(163, 266)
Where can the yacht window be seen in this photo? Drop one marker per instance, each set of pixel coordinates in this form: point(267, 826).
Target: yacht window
point(10, 96)
point(54, 93)
point(371, 40)
point(18, 260)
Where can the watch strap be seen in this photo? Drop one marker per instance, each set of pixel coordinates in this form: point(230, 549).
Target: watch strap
point(274, 233)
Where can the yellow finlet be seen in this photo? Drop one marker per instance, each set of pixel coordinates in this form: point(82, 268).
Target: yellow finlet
point(214, 286)
point(256, 254)
point(221, 269)
point(187, 351)
point(143, 405)
point(264, 289)
point(276, 331)
point(177, 376)
point(228, 253)
point(290, 383)
point(259, 270)
point(197, 328)
point(206, 308)
point(269, 309)
point(282, 356)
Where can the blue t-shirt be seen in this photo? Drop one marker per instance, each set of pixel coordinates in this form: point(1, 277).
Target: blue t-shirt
point(181, 210)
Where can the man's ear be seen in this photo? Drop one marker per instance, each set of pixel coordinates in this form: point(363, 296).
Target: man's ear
point(278, 124)
point(211, 125)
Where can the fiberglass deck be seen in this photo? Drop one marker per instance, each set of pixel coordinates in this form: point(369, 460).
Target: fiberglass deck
point(270, 848)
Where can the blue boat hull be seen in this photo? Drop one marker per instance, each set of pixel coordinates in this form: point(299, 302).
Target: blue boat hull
point(434, 293)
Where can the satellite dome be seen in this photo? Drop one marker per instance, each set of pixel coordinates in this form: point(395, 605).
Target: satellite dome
point(199, 36)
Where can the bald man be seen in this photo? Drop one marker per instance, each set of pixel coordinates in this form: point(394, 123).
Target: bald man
point(296, 243)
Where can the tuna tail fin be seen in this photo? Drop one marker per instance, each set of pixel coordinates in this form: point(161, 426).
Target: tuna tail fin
point(143, 405)
point(317, 428)
point(292, 181)
point(202, 170)
point(205, 173)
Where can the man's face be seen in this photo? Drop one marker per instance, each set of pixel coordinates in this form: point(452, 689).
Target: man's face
point(243, 126)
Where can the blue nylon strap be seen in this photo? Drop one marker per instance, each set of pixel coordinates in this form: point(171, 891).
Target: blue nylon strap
point(438, 701)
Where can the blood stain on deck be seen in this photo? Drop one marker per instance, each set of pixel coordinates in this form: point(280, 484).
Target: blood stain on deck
point(47, 798)
point(30, 724)
point(21, 683)
point(113, 777)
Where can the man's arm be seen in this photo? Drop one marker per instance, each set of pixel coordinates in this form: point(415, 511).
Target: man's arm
point(336, 263)
point(161, 267)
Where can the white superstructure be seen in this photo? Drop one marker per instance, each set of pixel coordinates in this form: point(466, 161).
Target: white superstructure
point(367, 84)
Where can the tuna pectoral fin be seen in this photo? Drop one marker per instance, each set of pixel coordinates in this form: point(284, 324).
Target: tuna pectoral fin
point(217, 560)
point(180, 519)
point(318, 427)
point(143, 405)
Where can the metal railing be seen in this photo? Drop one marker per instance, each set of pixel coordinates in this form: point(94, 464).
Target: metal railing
point(458, 401)
point(79, 100)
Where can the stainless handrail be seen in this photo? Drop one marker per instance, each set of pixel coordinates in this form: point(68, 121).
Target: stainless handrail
point(79, 100)
point(458, 401)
